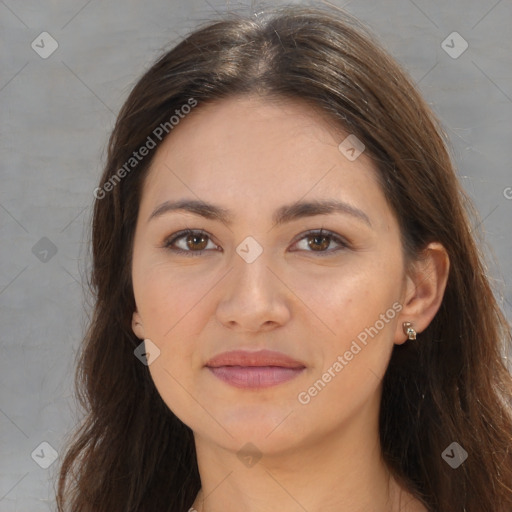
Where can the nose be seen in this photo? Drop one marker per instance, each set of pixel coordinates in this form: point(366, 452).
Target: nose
point(254, 297)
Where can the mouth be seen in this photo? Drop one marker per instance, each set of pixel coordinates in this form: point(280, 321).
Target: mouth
point(254, 370)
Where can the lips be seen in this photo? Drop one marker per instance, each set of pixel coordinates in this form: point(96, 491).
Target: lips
point(260, 358)
point(243, 369)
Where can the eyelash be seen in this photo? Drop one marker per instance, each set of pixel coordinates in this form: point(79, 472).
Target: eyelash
point(181, 234)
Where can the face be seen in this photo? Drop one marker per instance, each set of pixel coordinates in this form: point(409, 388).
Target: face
point(258, 275)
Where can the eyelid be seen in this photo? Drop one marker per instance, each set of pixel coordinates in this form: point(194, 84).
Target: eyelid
point(339, 239)
point(168, 241)
point(335, 237)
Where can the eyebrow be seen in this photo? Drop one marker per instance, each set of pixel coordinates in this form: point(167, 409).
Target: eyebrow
point(282, 215)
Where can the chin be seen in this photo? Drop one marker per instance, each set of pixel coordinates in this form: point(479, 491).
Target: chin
point(268, 426)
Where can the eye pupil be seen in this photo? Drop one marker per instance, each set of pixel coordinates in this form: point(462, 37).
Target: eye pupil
point(315, 239)
point(196, 237)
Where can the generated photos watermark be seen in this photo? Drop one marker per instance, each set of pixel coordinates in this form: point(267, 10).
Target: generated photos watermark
point(304, 397)
point(146, 352)
point(454, 455)
point(158, 133)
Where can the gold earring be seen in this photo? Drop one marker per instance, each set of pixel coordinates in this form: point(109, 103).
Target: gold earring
point(409, 331)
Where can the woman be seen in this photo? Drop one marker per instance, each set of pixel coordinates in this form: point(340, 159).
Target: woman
point(291, 311)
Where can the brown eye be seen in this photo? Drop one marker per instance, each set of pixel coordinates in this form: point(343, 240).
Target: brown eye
point(319, 242)
point(196, 241)
point(189, 242)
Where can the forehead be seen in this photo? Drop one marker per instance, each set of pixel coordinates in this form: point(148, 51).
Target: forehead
point(250, 152)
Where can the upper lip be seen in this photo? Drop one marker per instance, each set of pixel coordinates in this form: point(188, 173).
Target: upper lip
point(247, 358)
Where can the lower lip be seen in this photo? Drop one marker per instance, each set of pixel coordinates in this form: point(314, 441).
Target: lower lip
point(255, 376)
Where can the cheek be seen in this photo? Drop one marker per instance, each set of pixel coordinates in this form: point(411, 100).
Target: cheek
point(172, 305)
point(352, 312)
point(168, 298)
point(355, 338)
point(343, 301)
point(169, 307)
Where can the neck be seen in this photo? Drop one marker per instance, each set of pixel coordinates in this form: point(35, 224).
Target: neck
point(341, 472)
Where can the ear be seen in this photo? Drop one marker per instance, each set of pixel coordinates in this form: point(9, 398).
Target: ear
point(424, 290)
point(137, 326)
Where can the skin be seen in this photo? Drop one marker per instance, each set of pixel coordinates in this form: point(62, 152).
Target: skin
point(253, 155)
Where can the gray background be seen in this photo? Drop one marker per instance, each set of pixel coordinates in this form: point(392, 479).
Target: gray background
point(57, 114)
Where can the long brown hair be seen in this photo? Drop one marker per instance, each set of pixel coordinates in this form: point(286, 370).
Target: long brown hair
point(131, 453)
